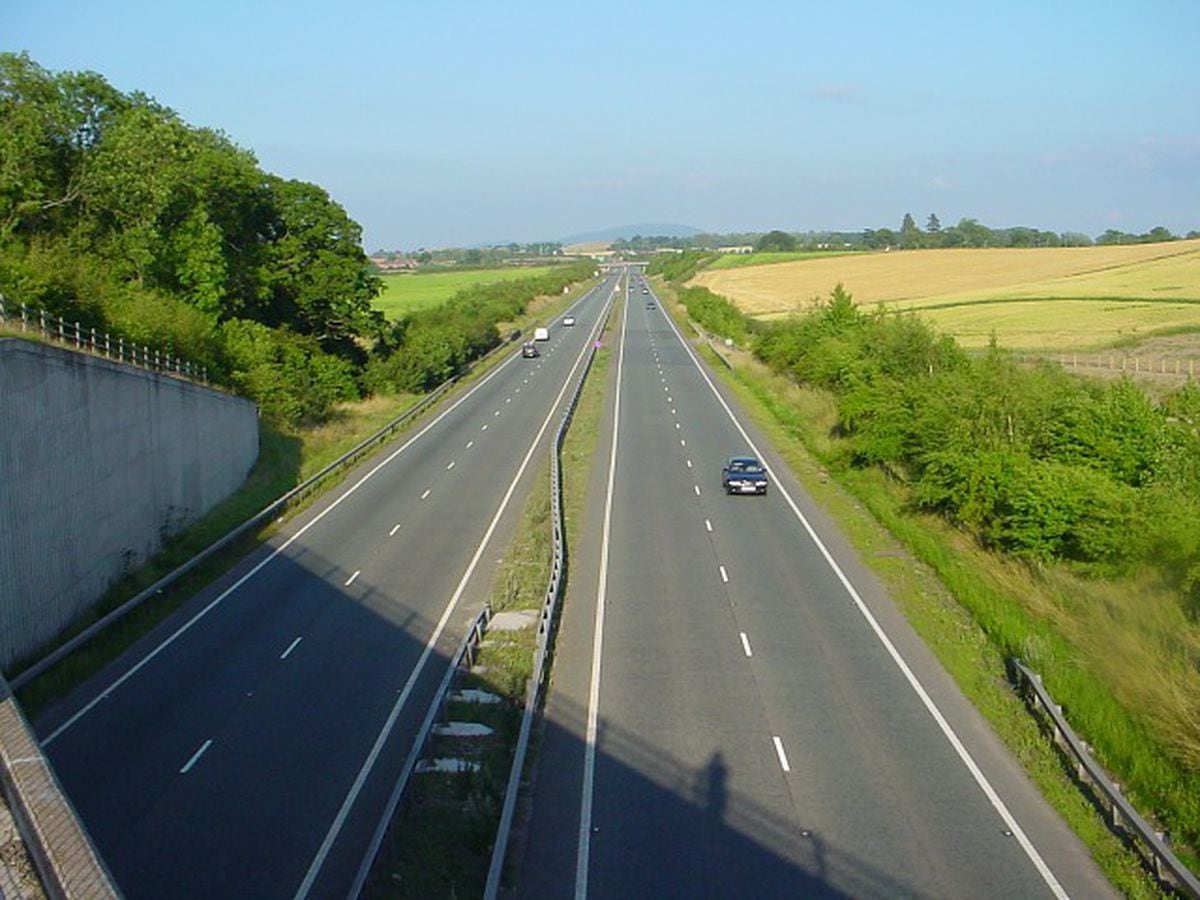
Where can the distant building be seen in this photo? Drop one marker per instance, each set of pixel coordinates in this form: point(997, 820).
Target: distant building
point(741, 248)
point(390, 264)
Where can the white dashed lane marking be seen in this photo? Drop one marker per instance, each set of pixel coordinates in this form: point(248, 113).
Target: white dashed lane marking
point(783, 760)
point(708, 525)
point(696, 488)
point(195, 757)
point(291, 647)
point(426, 494)
point(470, 444)
point(746, 643)
point(724, 574)
point(395, 528)
point(451, 466)
point(350, 580)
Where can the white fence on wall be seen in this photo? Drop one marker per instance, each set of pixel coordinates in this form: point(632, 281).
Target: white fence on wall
point(31, 320)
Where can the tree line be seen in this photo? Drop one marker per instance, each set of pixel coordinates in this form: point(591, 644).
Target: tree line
point(1033, 462)
point(117, 214)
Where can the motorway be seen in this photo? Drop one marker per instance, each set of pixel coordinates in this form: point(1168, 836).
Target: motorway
point(738, 709)
point(248, 746)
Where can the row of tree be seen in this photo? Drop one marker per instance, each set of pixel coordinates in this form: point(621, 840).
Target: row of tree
point(117, 214)
point(1033, 461)
point(966, 233)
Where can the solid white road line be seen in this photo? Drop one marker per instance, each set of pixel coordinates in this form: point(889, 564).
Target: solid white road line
point(291, 647)
point(350, 580)
point(451, 605)
point(943, 724)
point(745, 643)
point(783, 760)
point(187, 767)
point(593, 714)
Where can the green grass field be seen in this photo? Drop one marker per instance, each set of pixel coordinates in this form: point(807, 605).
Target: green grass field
point(408, 293)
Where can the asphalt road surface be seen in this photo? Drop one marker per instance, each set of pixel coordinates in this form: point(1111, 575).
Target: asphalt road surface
point(247, 747)
point(738, 710)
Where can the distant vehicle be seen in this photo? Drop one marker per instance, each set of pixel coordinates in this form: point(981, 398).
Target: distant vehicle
point(568, 321)
point(744, 475)
point(650, 304)
point(541, 334)
point(529, 350)
point(645, 290)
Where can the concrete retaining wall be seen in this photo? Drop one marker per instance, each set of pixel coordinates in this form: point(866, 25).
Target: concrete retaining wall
point(99, 462)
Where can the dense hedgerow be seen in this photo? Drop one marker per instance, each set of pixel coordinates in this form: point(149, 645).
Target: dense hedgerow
point(1032, 461)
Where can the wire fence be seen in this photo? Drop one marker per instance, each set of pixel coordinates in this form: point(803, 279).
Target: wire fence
point(1174, 366)
point(35, 321)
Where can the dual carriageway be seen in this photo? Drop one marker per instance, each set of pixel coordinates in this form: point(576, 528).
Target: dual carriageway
point(737, 707)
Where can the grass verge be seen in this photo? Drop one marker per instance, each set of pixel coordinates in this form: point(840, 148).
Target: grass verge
point(441, 841)
point(956, 598)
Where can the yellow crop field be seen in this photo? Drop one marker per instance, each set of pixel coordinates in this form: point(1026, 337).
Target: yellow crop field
point(1044, 298)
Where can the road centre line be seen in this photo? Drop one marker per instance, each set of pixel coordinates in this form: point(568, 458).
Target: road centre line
point(187, 767)
point(583, 852)
point(746, 643)
point(451, 606)
point(137, 667)
point(783, 760)
point(918, 688)
point(291, 647)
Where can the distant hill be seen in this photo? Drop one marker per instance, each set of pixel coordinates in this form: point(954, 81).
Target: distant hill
point(628, 231)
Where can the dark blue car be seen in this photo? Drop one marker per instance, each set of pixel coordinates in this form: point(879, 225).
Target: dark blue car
point(744, 475)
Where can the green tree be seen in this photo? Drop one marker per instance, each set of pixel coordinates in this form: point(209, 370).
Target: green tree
point(776, 242)
point(910, 234)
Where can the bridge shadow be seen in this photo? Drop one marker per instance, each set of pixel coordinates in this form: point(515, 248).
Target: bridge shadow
point(662, 828)
point(291, 726)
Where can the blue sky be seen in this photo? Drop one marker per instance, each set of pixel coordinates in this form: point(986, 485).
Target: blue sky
point(457, 123)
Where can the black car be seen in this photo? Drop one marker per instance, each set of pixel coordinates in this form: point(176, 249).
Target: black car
point(529, 350)
point(744, 475)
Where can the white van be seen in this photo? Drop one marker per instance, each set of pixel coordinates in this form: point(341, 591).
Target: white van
point(541, 334)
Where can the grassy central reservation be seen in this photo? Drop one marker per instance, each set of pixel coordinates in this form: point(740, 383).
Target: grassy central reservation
point(1069, 298)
